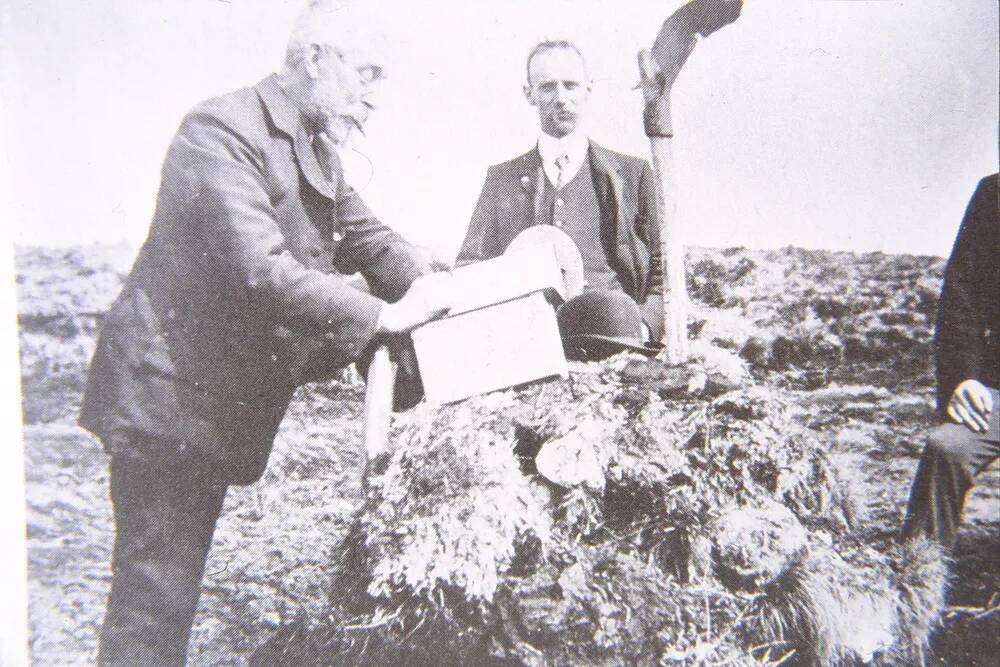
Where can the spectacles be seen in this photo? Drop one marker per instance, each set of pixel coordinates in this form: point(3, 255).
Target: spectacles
point(371, 73)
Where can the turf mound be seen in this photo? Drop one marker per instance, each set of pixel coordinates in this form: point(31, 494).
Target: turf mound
point(691, 527)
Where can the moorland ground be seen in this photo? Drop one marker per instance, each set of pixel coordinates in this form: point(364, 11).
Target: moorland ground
point(848, 336)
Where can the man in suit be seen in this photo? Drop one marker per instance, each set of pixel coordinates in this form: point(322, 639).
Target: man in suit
point(237, 297)
point(605, 201)
point(967, 347)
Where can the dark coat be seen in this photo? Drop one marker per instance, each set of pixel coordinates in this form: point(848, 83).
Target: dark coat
point(630, 233)
point(967, 337)
point(235, 296)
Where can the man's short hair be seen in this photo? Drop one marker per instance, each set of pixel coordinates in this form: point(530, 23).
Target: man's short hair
point(550, 45)
point(328, 23)
point(307, 31)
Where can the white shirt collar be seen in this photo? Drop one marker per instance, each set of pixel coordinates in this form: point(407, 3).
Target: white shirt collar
point(574, 145)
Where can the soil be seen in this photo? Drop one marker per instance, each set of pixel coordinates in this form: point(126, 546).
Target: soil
point(848, 334)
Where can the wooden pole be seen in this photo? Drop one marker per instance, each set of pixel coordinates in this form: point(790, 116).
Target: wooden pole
point(659, 128)
point(378, 403)
point(658, 69)
point(675, 296)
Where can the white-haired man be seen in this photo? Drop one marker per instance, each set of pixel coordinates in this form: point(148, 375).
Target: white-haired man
point(236, 298)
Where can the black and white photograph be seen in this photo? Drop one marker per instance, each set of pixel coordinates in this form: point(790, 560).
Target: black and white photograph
point(522, 333)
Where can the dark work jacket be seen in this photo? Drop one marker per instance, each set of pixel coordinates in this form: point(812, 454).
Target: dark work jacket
point(511, 201)
point(968, 318)
point(236, 296)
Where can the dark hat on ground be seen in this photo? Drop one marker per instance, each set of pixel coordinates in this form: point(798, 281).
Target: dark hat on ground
point(600, 323)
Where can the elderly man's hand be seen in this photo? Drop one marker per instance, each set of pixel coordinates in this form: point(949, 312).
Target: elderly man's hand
point(428, 298)
point(971, 404)
point(435, 257)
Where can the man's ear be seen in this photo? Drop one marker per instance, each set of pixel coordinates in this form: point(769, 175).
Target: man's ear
point(529, 94)
point(313, 55)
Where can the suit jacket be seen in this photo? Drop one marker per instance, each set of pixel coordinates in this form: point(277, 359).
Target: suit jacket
point(630, 228)
point(967, 335)
point(239, 275)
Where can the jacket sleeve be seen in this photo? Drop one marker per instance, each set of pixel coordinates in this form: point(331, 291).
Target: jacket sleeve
point(387, 262)
point(648, 230)
point(474, 247)
point(226, 194)
point(960, 332)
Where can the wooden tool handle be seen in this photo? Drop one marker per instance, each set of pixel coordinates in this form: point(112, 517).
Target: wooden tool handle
point(378, 402)
point(675, 297)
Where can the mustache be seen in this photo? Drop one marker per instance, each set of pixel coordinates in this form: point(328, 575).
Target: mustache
point(357, 121)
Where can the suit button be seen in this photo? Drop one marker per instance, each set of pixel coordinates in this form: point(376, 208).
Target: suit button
point(559, 223)
point(337, 236)
point(560, 202)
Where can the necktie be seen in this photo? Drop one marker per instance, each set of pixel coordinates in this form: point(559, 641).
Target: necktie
point(562, 162)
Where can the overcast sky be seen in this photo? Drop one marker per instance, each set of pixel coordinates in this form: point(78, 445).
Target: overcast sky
point(837, 124)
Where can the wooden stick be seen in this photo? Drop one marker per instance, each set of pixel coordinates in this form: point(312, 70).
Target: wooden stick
point(658, 70)
point(378, 402)
point(675, 296)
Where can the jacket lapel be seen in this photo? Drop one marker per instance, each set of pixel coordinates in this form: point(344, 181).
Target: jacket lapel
point(309, 165)
point(617, 234)
point(608, 179)
point(287, 119)
point(531, 180)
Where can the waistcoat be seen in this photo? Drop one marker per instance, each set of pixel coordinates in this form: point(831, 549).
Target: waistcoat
point(575, 210)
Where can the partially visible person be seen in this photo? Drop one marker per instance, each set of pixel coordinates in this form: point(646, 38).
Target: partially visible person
point(237, 297)
point(605, 201)
point(967, 346)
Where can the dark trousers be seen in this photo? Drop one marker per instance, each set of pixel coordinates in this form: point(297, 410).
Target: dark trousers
point(165, 514)
point(953, 457)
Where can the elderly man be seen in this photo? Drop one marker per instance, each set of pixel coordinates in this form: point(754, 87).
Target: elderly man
point(235, 299)
point(605, 201)
point(967, 344)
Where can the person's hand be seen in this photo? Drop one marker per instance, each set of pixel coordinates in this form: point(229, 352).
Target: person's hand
point(971, 404)
point(435, 257)
point(428, 298)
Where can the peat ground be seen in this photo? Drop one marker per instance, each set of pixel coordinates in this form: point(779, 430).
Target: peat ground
point(848, 334)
